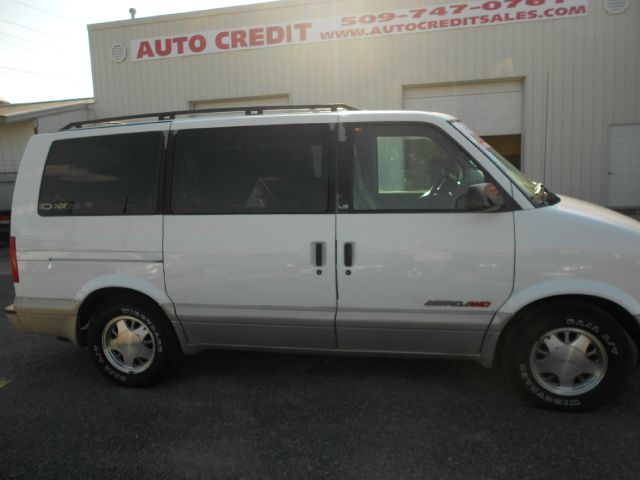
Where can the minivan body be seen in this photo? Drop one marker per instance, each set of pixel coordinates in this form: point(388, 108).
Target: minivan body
point(361, 232)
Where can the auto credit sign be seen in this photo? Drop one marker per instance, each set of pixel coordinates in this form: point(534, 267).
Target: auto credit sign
point(428, 18)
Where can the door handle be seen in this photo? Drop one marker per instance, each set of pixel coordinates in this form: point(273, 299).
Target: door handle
point(318, 248)
point(348, 254)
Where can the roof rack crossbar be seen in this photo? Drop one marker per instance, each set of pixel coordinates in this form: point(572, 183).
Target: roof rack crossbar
point(258, 110)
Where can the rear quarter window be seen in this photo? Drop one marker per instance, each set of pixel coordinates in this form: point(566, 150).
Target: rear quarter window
point(102, 175)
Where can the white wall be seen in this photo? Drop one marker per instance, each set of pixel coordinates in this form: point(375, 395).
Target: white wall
point(580, 75)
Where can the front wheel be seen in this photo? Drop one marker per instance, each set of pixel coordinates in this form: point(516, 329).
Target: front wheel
point(132, 342)
point(570, 357)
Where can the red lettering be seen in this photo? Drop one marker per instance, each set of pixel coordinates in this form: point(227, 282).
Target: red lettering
point(180, 41)
point(432, 24)
point(167, 47)
point(492, 5)
point(302, 30)
point(197, 43)
point(456, 22)
point(238, 39)
point(145, 50)
point(275, 35)
point(220, 37)
point(256, 37)
point(477, 304)
point(444, 23)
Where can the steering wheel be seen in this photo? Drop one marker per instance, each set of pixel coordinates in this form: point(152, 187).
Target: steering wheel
point(452, 173)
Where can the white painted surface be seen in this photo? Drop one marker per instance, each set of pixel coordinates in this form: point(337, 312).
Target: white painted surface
point(227, 272)
point(624, 172)
point(575, 247)
point(403, 260)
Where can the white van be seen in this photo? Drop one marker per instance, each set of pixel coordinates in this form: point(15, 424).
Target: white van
point(319, 230)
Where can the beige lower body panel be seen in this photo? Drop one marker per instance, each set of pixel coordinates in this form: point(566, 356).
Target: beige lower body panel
point(42, 316)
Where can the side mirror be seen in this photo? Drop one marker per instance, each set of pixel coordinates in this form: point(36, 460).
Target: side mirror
point(482, 197)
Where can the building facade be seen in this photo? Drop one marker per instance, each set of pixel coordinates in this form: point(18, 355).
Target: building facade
point(554, 85)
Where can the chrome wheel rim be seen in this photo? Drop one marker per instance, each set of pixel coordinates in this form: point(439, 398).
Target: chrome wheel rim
point(568, 361)
point(128, 344)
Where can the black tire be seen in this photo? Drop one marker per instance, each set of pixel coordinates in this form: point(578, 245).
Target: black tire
point(145, 346)
point(570, 357)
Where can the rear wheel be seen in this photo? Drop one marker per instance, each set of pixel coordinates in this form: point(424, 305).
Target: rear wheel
point(569, 357)
point(132, 342)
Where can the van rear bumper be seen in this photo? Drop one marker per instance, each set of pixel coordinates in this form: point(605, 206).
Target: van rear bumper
point(43, 318)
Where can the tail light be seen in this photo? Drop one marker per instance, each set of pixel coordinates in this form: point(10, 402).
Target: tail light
point(14, 260)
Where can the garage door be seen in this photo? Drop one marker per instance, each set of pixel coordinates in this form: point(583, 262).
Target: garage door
point(624, 170)
point(489, 108)
point(492, 109)
point(271, 100)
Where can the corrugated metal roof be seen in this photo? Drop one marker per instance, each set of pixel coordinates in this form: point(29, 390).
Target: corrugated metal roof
point(23, 111)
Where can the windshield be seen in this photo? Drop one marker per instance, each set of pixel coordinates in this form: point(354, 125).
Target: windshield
point(536, 192)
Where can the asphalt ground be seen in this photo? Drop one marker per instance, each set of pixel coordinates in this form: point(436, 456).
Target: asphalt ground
point(231, 415)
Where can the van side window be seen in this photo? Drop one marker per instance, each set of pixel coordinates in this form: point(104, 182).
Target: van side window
point(409, 167)
point(102, 175)
point(270, 169)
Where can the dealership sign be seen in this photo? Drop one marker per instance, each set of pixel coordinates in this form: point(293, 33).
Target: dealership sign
point(428, 18)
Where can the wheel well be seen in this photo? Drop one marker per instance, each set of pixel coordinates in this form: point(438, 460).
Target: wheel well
point(620, 314)
point(91, 304)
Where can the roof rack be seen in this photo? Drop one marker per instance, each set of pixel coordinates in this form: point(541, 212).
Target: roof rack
point(333, 107)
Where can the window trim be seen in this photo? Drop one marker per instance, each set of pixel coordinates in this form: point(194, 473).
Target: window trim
point(510, 203)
